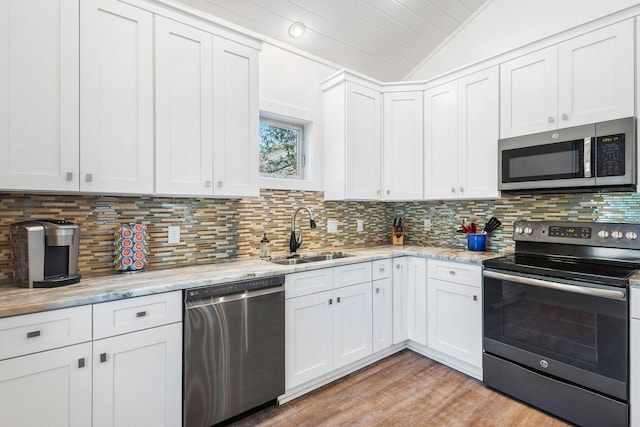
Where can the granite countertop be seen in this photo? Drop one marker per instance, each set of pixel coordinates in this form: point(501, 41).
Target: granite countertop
point(16, 301)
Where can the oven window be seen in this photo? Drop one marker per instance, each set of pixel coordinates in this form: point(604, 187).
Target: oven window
point(583, 331)
point(562, 160)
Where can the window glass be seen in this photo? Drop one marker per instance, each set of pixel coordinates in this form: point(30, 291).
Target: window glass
point(281, 149)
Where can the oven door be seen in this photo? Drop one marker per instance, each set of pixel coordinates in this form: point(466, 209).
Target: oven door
point(573, 332)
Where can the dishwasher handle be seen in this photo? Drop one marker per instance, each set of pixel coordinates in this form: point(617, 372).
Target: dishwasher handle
point(207, 301)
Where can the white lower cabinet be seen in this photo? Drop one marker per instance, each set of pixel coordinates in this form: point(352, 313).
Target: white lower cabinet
point(382, 313)
point(400, 300)
point(53, 375)
point(454, 307)
point(330, 329)
point(417, 306)
point(47, 389)
point(137, 378)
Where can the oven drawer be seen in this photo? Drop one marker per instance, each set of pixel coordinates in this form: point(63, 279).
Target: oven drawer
point(456, 272)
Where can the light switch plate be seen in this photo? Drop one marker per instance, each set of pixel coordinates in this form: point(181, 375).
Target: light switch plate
point(427, 225)
point(332, 226)
point(173, 234)
point(359, 225)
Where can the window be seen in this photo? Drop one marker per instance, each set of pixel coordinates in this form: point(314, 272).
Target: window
point(281, 149)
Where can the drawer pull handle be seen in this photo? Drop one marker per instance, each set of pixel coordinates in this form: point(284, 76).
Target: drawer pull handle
point(141, 314)
point(81, 363)
point(377, 290)
point(330, 301)
point(475, 297)
point(103, 357)
point(382, 268)
point(452, 272)
point(33, 334)
point(338, 300)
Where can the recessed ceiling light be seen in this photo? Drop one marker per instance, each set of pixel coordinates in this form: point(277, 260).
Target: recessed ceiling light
point(297, 30)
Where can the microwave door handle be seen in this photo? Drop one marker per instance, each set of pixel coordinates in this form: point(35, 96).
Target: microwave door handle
point(587, 157)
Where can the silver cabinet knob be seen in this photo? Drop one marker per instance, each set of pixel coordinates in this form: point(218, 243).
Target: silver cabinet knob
point(377, 191)
point(551, 119)
point(565, 116)
point(453, 189)
point(219, 184)
point(89, 177)
point(462, 189)
point(377, 290)
point(207, 184)
point(69, 176)
point(388, 191)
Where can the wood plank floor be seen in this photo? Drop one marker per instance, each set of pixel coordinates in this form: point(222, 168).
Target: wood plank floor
point(405, 389)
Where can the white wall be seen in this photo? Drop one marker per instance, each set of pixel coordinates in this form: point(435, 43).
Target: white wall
point(290, 87)
point(504, 25)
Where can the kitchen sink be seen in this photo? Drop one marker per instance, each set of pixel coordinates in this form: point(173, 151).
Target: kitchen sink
point(305, 259)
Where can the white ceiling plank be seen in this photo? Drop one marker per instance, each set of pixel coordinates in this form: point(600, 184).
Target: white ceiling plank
point(384, 39)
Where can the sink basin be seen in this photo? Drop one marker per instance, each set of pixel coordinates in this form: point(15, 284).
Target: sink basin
point(304, 259)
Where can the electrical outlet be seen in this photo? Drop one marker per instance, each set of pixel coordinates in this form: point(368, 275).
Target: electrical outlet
point(173, 236)
point(359, 225)
point(427, 225)
point(332, 226)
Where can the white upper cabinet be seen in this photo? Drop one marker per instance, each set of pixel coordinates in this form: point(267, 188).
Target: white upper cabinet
point(184, 109)
point(116, 98)
point(583, 80)
point(441, 141)
point(352, 136)
point(478, 132)
point(236, 119)
point(363, 147)
point(403, 145)
point(461, 140)
point(39, 99)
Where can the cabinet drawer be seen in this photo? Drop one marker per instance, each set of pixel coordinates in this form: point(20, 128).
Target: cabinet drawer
point(352, 274)
point(128, 315)
point(308, 282)
point(36, 332)
point(456, 272)
point(635, 302)
point(381, 269)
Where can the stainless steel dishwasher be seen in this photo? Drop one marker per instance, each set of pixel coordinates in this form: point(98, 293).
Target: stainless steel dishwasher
point(233, 349)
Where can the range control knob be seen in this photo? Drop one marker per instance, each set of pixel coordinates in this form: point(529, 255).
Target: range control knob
point(631, 235)
point(519, 230)
point(528, 230)
point(603, 234)
point(616, 234)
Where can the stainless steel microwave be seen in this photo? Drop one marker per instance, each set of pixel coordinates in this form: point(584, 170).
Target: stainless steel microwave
point(595, 156)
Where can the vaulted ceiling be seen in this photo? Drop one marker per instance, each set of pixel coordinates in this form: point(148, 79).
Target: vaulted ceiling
point(384, 39)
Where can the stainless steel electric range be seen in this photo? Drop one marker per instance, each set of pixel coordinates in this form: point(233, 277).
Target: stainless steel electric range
point(556, 316)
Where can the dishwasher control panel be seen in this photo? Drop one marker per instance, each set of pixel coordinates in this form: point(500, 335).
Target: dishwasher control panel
point(233, 287)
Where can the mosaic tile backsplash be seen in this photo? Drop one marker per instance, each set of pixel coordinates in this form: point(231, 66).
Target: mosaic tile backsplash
point(214, 230)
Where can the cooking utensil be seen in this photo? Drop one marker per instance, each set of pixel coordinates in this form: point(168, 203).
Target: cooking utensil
point(491, 225)
point(473, 228)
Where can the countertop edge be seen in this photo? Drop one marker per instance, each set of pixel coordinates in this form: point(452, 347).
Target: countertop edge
point(16, 301)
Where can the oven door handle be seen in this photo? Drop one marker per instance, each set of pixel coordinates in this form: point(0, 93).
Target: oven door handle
point(602, 293)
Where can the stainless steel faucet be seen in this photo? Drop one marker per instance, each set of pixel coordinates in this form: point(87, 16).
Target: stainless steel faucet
point(295, 242)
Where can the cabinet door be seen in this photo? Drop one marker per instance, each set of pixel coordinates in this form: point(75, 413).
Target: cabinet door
point(116, 97)
point(455, 320)
point(400, 300)
point(382, 313)
point(52, 388)
point(596, 76)
point(309, 337)
point(441, 142)
point(138, 378)
point(403, 146)
point(236, 118)
point(352, 324)
point(363, 147)
point(39, 99)
point(417, 307)
point(529, 93)
point(184, 109)
point(478, 117)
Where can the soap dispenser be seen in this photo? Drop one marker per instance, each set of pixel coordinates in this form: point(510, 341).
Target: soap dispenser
point(265, 249)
